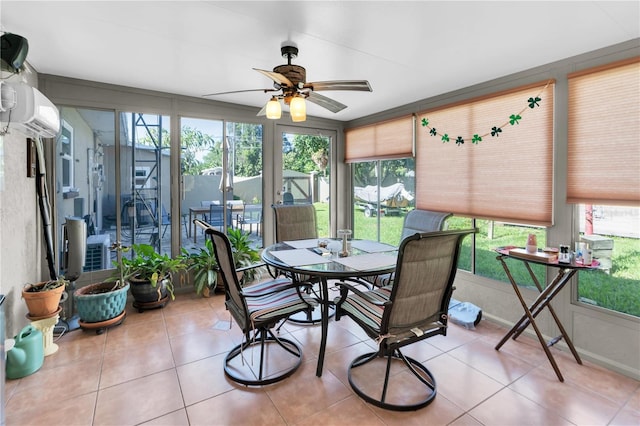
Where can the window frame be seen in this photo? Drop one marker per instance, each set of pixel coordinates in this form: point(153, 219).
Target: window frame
point(66, 157)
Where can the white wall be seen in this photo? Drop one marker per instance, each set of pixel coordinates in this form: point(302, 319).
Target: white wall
point(21, 249)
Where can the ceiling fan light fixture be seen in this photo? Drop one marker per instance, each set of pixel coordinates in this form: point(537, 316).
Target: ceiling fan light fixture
point(298, 109)
point(274, 111)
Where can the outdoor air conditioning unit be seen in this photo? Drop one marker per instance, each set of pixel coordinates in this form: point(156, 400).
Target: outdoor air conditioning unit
point(25, 106)
point(97, 256)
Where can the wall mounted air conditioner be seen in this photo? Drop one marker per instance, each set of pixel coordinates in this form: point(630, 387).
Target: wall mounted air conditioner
point(26, 107)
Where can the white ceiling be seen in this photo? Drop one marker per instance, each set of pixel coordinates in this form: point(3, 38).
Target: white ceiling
point(407, 50)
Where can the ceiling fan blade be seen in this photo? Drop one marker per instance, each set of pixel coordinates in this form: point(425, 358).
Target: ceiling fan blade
point(360, 85)
point(241, 91)
point(276, 77)
point(323, 101)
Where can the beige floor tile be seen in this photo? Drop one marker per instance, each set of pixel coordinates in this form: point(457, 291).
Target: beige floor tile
point(566, 399)
point(68, 381)
point(191, 322)
point(74, 346)
point(338, 362)
point(634, 400)
point(465, 420)
point(74, 411)
point(495, 364)
point(441, 411)
point(460, 383)
point(119, 366)
point(191, 347)
point(615, 386)
point(507, 407)
point(173, 374)
point(456, 336)
point(139, 400)
point(626, 417)
point(349, 411)
point(246, 406)
point(305, 394)
point(203, 379)
point(137, 333)
point(177, 418)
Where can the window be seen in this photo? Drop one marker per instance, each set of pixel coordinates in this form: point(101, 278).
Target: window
point(475, 183)
point(66, 155)
point(383, 173)
point(381, 141)
point(603, 181)
point(383, 192)
point(492, 234)
point(507, 177)
point(612, 233)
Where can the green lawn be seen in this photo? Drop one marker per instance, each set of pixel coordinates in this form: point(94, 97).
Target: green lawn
point(619, 290)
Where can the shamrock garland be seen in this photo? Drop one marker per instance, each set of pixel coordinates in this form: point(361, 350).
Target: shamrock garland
point(495, 130)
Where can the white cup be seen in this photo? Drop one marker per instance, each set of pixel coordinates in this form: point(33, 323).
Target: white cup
point(587, 256)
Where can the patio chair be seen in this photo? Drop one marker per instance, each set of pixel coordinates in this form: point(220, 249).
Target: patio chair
point(414, 308)
point(287, 198)
point(216, 216)
point(252, 215)
point(257, 309)
point(297, 222)
point(416, 221)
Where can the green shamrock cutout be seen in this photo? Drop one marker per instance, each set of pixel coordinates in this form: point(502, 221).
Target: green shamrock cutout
point(514, 118)
point(425, 122)
point(533, 102)
point(445, 138)
point(476, 139)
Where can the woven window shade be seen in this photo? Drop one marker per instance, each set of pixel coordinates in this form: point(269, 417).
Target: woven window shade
point(506, 178)
point(380, 141)
point(603, 165)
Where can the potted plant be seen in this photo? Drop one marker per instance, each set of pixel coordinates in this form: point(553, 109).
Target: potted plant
point(43, 298)
point(150, 275)
point(101, 303)
point(244, 256)
point(204, 266)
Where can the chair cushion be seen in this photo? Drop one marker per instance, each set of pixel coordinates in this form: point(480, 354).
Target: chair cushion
point(363, 310)
point(276, 304)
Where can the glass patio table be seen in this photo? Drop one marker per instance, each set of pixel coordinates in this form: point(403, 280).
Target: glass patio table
point(300, 257)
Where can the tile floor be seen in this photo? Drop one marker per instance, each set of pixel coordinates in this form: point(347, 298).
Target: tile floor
point(164, 367)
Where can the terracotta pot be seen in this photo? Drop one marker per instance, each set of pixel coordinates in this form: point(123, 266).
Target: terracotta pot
point(42, 303)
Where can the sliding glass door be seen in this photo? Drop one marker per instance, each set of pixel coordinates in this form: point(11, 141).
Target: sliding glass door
point(303, 175)
point(221, 178)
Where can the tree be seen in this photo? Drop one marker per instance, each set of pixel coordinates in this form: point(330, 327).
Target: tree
point(245, 145)
point(199, 151)
point(391, 171)
point(299, 153)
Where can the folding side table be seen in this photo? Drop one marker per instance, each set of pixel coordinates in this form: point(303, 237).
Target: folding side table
point(565, 272)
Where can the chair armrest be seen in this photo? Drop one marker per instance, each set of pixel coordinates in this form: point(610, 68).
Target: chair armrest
point(252, 266)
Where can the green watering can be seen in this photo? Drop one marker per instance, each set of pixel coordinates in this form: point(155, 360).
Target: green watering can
point(27, 355)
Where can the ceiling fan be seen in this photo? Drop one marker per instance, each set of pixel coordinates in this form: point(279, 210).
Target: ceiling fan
point(290, 81)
